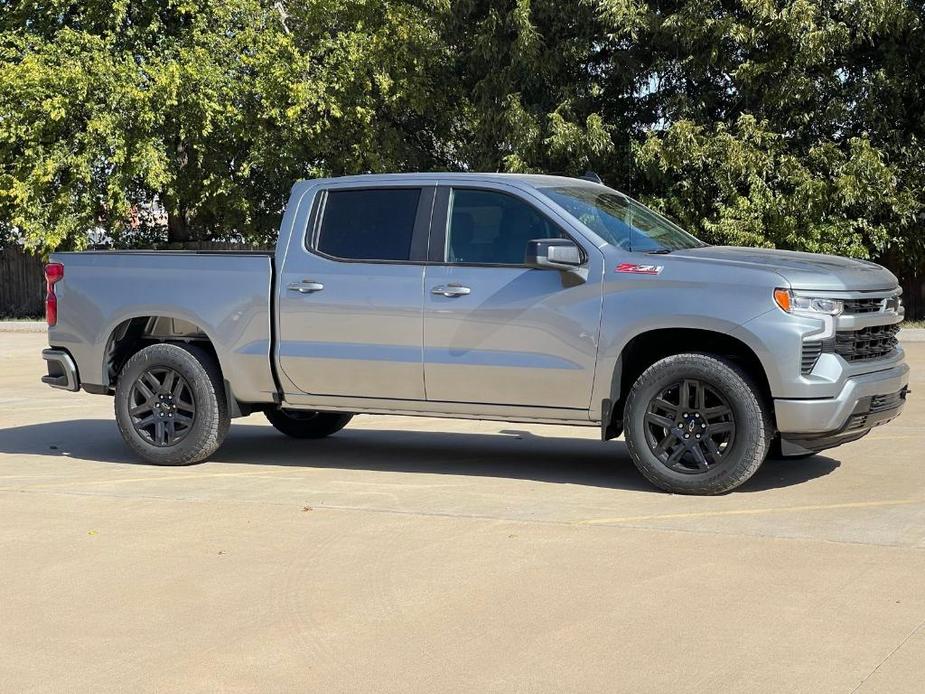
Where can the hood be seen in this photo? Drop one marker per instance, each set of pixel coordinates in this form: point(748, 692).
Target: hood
point(802, 270)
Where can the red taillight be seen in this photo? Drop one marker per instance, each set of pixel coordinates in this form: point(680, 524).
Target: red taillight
point(54, 272)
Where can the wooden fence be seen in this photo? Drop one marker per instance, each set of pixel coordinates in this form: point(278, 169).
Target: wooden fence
point(22, 284)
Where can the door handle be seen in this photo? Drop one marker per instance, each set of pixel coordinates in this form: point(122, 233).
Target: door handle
point(451, 290)
point(306, 287)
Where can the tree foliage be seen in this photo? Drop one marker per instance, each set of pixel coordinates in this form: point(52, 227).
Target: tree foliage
point(208, 109)
point(798, 124)
point(792, 123)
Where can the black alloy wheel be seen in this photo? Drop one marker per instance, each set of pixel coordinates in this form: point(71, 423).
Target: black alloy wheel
point(690, 426)
point(162, 406)
point(697, 423)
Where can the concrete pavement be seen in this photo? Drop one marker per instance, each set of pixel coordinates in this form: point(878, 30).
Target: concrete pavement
point(423, 555)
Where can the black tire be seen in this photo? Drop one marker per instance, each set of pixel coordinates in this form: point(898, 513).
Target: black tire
point(191, 404)
point(307, 424)
point(721, 425)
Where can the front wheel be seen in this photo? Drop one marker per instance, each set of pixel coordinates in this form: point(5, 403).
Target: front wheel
point(696, 424)
point(307, 424)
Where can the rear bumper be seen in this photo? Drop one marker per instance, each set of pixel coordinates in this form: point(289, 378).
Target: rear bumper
point(62, 371)
point(866, 401)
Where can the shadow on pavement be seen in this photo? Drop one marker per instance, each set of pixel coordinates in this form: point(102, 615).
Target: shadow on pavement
point(511, 453)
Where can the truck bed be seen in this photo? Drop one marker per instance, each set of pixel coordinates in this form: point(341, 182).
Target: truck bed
point(225, 296)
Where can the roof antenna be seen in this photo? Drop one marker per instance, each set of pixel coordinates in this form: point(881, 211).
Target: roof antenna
point(591, 176)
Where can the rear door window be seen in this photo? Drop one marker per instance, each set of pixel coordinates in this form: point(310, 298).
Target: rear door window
point(368, 224)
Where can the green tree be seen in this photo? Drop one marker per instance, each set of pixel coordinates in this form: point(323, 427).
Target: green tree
point(528, 95)
point(207, 108)
point(792, 123)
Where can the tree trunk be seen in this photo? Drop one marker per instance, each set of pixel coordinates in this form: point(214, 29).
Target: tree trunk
point(178, 230)
point(178, 218)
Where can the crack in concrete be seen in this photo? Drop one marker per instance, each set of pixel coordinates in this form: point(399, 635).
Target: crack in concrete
point(889, 655)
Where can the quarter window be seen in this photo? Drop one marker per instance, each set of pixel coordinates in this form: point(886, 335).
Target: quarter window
point(371, 224)
point(487, 227)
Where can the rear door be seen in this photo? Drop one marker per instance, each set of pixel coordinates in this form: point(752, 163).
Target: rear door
point(350, 303)
point(498, 332)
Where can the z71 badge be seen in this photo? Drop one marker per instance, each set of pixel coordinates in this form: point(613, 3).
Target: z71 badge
point(640, 269)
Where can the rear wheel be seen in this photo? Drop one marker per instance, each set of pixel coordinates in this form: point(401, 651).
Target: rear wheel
point(308, 424)
point(696, 424)
point(170, 404)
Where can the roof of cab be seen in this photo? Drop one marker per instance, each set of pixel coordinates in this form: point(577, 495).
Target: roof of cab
point(532, 180)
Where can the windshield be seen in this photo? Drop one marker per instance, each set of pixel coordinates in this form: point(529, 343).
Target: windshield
point(621, 221)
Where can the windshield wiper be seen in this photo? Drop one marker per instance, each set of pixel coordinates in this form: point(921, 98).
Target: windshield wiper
point(659, 251)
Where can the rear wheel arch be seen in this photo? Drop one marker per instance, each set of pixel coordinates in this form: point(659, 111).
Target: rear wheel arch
point(134, 334)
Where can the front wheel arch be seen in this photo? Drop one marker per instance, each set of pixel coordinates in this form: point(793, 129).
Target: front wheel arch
point(647, 348)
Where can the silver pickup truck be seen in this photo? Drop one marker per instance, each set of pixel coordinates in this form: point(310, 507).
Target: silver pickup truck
point(518, 298)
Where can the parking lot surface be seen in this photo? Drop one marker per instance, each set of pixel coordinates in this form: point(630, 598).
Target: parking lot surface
point(422, 555)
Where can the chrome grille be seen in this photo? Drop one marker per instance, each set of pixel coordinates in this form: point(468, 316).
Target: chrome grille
point(874, 342)
point(811, 352)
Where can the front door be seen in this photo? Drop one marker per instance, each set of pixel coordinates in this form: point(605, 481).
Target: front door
point(350, 301)
point(496, 331)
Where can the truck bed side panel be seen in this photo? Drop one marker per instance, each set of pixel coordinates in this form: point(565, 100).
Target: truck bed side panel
point(226, 294)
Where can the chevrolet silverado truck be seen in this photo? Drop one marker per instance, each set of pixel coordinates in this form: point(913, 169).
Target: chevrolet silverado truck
point(521, 298)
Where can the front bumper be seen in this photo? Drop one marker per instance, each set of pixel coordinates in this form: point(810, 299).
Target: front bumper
point(62, 371)
point(865, 401)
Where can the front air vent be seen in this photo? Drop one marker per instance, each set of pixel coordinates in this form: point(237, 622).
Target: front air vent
point(858, 421)
point(882, 403)
point(811, 352)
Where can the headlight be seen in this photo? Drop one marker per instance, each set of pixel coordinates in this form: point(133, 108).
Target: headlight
point(792, 303)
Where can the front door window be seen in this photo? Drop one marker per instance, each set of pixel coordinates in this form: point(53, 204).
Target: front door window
point(486, 227)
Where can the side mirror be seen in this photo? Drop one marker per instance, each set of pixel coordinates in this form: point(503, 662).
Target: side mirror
point(553, 254)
